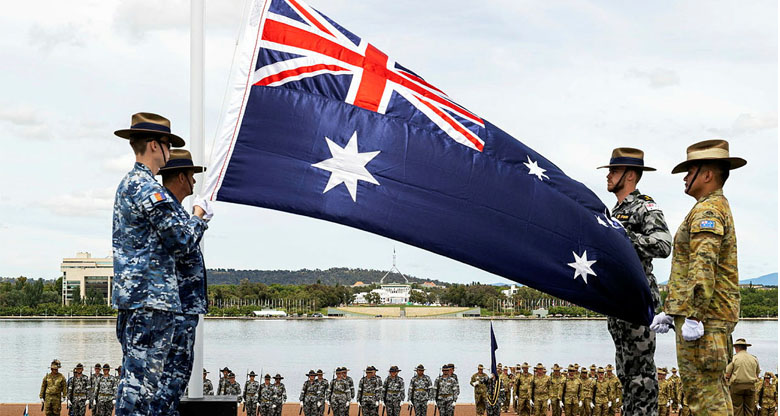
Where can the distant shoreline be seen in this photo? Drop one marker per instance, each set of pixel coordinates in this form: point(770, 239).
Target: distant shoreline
point(254, 318)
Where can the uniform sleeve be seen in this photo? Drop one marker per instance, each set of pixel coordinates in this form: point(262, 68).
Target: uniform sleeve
point(43, 388)
point(303, 391)
point(179, 237)
point(706, 237)
point(63, 388)
point(654, 240)
point(456, 390)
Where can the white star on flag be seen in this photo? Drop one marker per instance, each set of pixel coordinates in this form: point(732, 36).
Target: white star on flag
point(347, 166)
point(582, 265)
point(534, 169)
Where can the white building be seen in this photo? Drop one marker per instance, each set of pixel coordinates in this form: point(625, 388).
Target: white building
point(390, 293)
point(84, 274)
point(511, 291)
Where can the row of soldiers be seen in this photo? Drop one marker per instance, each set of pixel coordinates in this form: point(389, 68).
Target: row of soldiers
point(267, 399)
point(96, 391)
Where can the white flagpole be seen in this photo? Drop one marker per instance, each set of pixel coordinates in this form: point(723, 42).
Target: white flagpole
point(197, 147)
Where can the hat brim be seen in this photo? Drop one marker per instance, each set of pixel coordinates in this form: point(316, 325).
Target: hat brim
point(644, 168)
point(196, 169)
point(743, 344)
point(176, 141)
point(734, 163)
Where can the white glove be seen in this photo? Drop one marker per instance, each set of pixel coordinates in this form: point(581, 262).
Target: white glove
point(609, 403)
point(580, 403)
point(661, 323)
point(669, 403)
point(206, 206)
point(758, 406)
point(531, 401)
point(560, 403)
point(592, 405)
point(692, 330)
point(549, 402)
point(319, 404)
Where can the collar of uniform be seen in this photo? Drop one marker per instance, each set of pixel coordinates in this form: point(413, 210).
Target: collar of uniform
point(140, 166)
point(628, 199)
point(717, 192)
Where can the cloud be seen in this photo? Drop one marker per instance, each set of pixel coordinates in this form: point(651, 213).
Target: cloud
point(90, 203)
point(46, 39)
point(747, 123)
point(24, 122)
point(119, 164)
point(656, 78)
point(139, 17)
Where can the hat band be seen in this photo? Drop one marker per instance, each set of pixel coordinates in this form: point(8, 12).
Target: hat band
point(625, 160)
point(151, 126)
point(178, 163)
point(708, 154)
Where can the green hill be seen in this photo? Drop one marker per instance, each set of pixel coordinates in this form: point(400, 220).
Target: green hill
point(339, 275)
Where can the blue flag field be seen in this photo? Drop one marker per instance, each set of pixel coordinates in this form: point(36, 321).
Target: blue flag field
point(322, 123)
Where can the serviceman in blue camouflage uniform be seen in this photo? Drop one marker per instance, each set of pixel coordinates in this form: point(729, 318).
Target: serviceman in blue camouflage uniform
point(369, 392)
point(703, 302)
point(309, 395)
point(78, 391)
point(446, 390)
point(496, 395)
point(105, 393)
point(322, 392)
point(93, 380)
point(393, 392)
point(179, 181)
point(223, 379)
point(251, 394)
point(266, 397)
point(420, 391)
point(646, 227)
point(148, 237)
point(232, 387)
point(208, 387)
point(342, 391)
point(279, 395)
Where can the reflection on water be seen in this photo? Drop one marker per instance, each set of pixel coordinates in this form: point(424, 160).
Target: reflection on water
point(292, 348)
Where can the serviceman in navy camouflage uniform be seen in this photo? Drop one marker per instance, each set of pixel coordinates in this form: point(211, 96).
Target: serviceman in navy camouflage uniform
point(646, 227)
point(393, 392)
point(369, 392)
point(179, 181)
point(420, 391)
point(148, 237)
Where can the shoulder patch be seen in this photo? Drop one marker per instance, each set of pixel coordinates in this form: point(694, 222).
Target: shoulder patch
point(645, 197)
point(157, 197)
point(707, 224)
point(652, 206)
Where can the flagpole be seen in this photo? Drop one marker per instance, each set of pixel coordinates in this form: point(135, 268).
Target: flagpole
point(197, 147)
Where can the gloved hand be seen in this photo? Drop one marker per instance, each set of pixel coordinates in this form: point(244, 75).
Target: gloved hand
point(609, 403)
point(661, 323)
point(692, 330)
point(560, 403)
point(319, 404)
point(376, 404)
point(549, 402)
point(204, 204)
point(531, 402)
point(580, 403)
point(113, 401)
point(592, 405)
point(669, 403)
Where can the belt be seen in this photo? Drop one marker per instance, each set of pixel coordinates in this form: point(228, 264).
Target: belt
point(251, 394)
point(311, 394)
point(420, 389)
point(445, 395)
point(105, 395)
point(368, 394)
point(265, 401)
point(339, 392)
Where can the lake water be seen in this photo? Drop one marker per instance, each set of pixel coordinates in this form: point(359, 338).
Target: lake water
point(292, 348)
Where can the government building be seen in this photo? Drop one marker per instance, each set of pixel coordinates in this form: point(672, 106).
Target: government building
point(85, 274)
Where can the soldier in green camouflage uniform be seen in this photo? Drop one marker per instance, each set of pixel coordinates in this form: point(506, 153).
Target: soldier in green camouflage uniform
point(646, 228)
point(665, 393)
point(420, 391)
point(78, 391)
point(478, 380)
point(105, 393)
point(540, 390)
point(266, 397)
point(393, 392)
point(446, 390)
point(676, 383)
point(767, 397)
point(342, 391)
point(602, 390)
point(279, 395)
point(617, 389)
point(251, 393)
point(586, 393)
point(704, 296)
point(685, 410)
point(556, 393)
point(322, 392)
point(521, 391)
point(53, 390)
point(369, 392)
point(572, 389)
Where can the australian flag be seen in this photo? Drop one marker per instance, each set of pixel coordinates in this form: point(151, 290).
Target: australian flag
point(322, 123)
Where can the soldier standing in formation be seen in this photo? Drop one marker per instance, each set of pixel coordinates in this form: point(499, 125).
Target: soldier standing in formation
point(53, 390)
point(279, 395)
point(496, 395)
point(767, 396)
point(664, 393)
point(556, 391)
point(208, 387)
point(676, 382)
point(703, 301)
point(232, 387)
point(602, 391)
point(78, 391)
point(369, 392)
point(105, 393)
point(617, 390)
point(506, 384)
point(742, 373)
point(446, 390)
point(309, 392)
point(587, 385)
point(266, 397)
point(393, 392)
point(685, 410)
point(572, 391)
point(223, 380)
point(522, 391)
point(478, 380)
point(540, 389)
point(322, 392)
point(420, 391)
point(646, 227)
point(251, 393)
point(342, 391)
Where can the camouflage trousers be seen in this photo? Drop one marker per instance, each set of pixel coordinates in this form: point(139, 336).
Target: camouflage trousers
point(493, 410)
point(635, 366)
point(480, 400)
point(178, 366)
point(52, 406)
point(702, 365)
point(446, 407)
point(686, 411)
point(310, 408)
point(370, 408)
point(146, 336)
point(420, 407)
point(276, 409)
point(251, 406)
point(340, 407)
point(78, 407)
point(393, 407)
point(663, 409)
point(523, 406)
point(601, 409)
point(585, 410)
point(767, 411)
point(103, 407)
point(571, 409)
point(265, 409)
point(556, 407)
point(540, 407)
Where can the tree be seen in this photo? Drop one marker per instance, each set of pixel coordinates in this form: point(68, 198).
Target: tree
point(418, 296)
point(373, 298)
point(76, 298)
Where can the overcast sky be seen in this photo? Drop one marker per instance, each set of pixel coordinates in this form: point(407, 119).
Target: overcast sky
point(571, 79)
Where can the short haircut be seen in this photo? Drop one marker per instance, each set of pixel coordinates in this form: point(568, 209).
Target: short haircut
point(138, 143)
point(638, 173)
point(169, 175)
point(720, 168)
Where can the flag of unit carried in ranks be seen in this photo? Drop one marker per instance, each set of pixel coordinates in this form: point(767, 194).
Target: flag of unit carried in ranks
point(322, 123)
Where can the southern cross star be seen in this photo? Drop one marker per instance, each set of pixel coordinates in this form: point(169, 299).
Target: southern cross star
point(347, 166)
point(534, 169)
point(582, 265)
